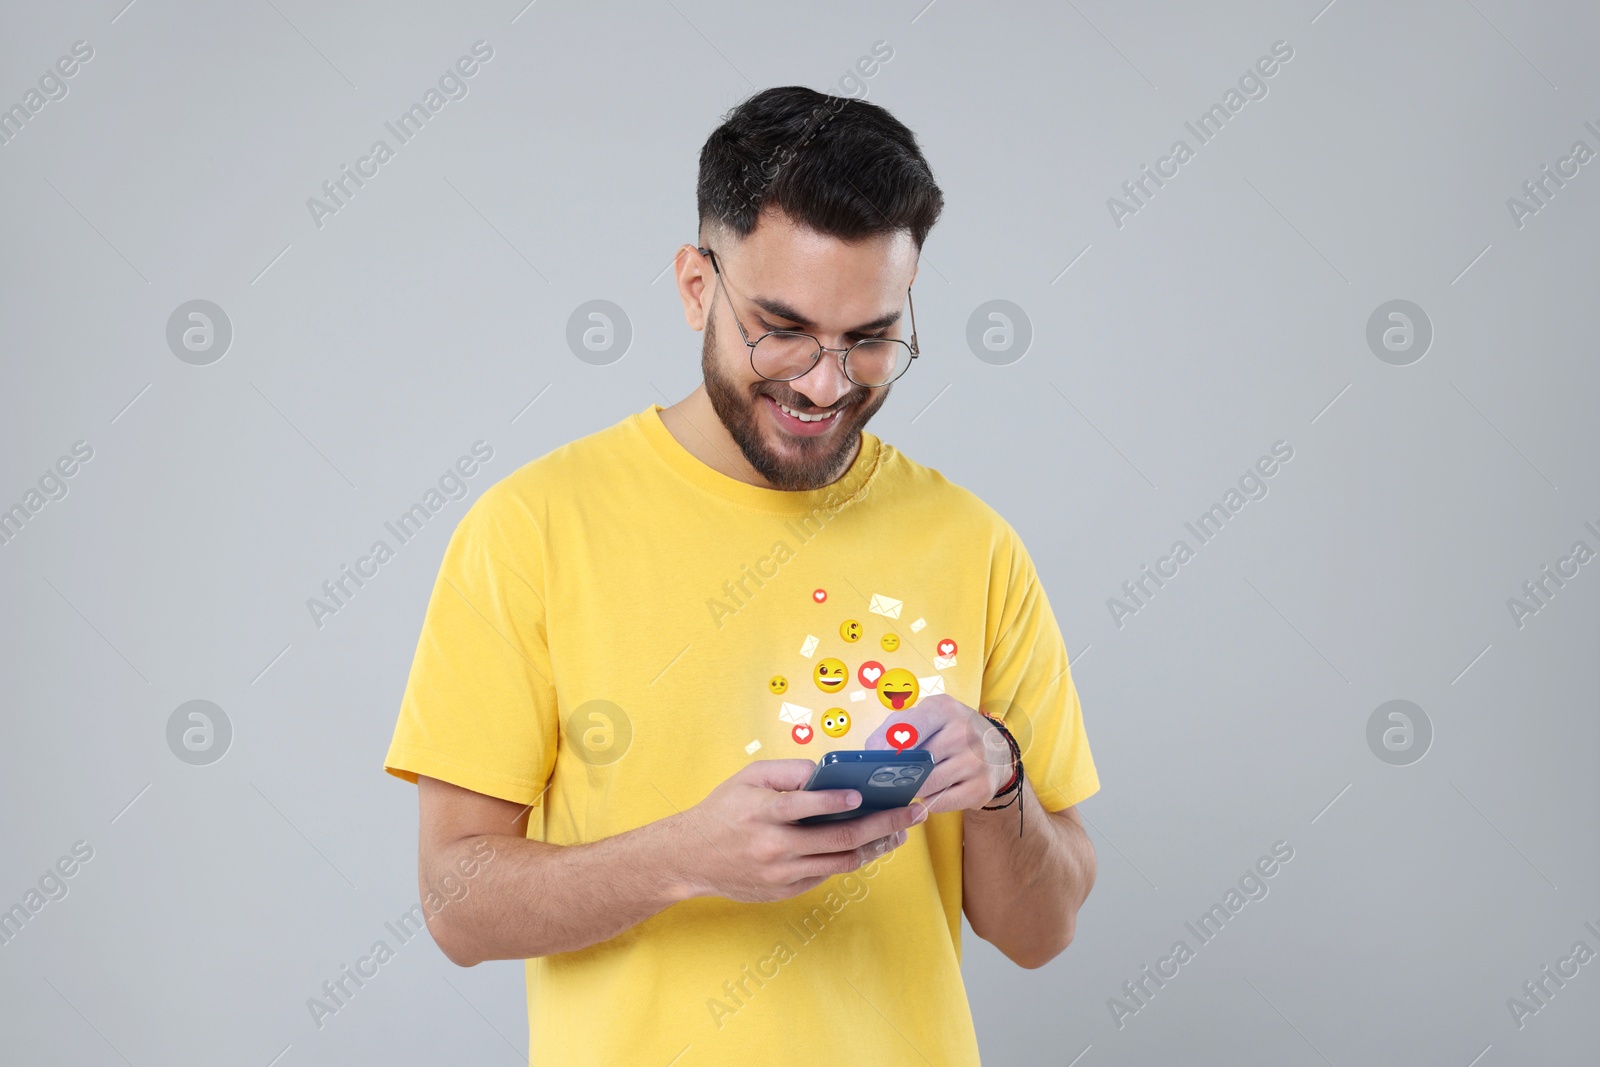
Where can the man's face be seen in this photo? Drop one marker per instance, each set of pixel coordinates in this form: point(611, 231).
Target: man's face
point(787, 277)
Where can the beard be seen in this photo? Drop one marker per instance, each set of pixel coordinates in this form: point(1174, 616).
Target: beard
point(808, 462)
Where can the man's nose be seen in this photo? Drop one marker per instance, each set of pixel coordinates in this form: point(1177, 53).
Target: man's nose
point(825, 382)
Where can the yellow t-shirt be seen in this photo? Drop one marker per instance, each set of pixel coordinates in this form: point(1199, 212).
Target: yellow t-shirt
point(604, 638)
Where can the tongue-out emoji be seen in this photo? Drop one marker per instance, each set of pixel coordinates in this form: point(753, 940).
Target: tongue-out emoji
point(897, 689)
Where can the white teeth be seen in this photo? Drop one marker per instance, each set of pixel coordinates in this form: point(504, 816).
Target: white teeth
point(803, 417)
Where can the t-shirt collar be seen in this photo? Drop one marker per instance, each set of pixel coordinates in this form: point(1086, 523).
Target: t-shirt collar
point(777, 501)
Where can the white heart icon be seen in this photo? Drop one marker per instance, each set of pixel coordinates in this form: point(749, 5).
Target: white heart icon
point(802, 731)
point(902, 736)
point(872, 674)
point(945, 648)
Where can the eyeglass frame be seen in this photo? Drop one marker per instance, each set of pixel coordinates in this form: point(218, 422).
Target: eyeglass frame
point(844, 353)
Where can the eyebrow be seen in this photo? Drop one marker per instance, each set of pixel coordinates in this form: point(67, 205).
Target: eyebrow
point(779, 310)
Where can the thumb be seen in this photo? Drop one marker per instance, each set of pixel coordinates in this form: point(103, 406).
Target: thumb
point(782, 774)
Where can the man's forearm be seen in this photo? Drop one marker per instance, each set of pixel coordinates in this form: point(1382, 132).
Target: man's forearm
point(1023, 894)
point(534, 899)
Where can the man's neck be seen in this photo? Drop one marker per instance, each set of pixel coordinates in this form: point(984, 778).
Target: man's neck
point(694, 423)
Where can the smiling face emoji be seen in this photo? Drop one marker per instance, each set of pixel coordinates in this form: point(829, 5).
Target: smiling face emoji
point(850, 630)
point(836, 723)
point(830, 675)
point(890, 641)
point(898, 689)
point(778, 684)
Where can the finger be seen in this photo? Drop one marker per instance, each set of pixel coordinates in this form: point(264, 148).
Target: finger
point(937, 723)
point(940, 801)
point(954, 762)
point(800, 803)
point(784, 774)
point(846, 835)
point(941, 745)
point(933, 785)
point(946, 787)
point(956, 796)
point(827, 864)
point(946, 773)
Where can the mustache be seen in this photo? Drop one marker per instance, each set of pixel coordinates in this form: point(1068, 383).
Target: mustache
point(793, 399)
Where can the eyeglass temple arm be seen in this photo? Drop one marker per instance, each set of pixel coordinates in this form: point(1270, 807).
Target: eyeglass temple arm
point(913, 308)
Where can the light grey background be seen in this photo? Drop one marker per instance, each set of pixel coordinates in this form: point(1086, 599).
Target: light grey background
point(1229, 313)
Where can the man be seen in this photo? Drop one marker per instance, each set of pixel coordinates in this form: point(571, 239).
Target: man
point(640, 644)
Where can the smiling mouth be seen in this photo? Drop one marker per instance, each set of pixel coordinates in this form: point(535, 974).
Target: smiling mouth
point(897, 700)
point(805, 423)
point(805, 416)
point(830, 683)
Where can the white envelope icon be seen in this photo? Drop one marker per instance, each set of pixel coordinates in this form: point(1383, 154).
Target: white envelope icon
point(944, 663)
point(859, 694)
point(809, 647)
point(794, 713)
point(887, 606)
point(932, 685)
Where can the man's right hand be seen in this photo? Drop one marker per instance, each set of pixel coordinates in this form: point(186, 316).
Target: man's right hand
point(740, 842)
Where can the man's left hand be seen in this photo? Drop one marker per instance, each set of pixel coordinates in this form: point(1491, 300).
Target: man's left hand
point(971, 759)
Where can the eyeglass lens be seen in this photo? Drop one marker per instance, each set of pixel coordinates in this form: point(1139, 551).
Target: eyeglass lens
point(873, 361)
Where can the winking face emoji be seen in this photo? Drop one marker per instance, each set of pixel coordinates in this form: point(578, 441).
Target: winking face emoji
point(830, 675)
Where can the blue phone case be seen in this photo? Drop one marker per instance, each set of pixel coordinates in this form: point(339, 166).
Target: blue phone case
point(884, 778)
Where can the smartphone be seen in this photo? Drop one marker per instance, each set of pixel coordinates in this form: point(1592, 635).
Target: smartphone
point(884, 778)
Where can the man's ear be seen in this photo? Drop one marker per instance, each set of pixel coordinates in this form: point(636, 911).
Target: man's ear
point(696, 285)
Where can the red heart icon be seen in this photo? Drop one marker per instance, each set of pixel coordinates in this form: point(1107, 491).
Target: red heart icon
point(820, 595)
point(901, 736)
point(869, 673)
point(802, 734)
point(947, 647)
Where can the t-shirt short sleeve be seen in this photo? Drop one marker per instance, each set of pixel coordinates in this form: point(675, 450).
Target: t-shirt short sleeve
point(1027, 683)
point(479, 709)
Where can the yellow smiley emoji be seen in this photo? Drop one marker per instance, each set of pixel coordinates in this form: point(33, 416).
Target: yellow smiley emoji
point(898, 689)
point(830, 675)
point(778, 684)
point(836, 723)
point(890, 641)
point(850, 630)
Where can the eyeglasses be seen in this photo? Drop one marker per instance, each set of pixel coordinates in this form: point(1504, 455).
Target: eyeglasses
point(784, 355)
